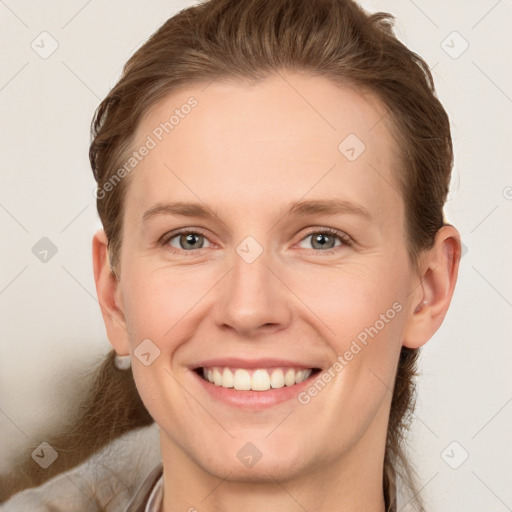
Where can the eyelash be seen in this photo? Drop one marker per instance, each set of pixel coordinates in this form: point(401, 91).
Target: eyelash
point(343, 237)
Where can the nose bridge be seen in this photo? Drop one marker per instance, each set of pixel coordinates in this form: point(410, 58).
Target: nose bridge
point(253, 296)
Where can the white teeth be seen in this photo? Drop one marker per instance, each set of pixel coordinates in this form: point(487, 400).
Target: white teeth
point(217, 377)
point(259, 379)
point(242, 380)
point(277, 378)
point(289, 378)
point(306, 374)
point(227, 379)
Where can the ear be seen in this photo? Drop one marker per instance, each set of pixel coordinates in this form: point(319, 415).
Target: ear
point(109, 296)
point(433, 294)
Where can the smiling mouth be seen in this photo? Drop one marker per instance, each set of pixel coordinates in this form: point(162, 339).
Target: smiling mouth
point(258, 379)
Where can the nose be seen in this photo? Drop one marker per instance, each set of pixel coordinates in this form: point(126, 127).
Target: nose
point(253, 298)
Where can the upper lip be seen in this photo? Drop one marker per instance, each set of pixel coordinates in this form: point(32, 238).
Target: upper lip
point(234, 362)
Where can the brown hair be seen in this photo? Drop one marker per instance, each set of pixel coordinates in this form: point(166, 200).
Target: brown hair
point(250, 40)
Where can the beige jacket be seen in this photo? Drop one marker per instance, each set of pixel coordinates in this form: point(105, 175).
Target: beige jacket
point(107, 481)
point(139, 503)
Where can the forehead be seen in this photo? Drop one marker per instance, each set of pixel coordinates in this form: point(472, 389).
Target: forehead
point(249, 144)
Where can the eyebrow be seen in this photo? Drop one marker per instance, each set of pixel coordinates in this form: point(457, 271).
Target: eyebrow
point(298, 208)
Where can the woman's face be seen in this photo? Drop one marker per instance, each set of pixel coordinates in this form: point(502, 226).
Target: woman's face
point(258, 289)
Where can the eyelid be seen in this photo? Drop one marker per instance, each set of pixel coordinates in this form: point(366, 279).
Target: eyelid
point(346, 239)
point(165, 239)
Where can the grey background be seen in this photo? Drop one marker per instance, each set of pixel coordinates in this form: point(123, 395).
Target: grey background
point(52, 330)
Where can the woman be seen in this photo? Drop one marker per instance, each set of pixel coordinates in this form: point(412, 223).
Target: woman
point(271, 179)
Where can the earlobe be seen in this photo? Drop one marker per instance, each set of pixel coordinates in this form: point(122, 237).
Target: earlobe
point(107, 290)
point(440, 266)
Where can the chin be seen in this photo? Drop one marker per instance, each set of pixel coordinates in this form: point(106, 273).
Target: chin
point(255, 462)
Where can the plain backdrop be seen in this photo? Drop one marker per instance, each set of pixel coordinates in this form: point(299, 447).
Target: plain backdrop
point(52, 330)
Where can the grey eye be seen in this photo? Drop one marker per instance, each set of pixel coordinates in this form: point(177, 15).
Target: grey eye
point(188, 241)
point(322, 241)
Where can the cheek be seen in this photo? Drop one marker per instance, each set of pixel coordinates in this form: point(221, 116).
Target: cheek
point(360, 312)
point(347, 300)
point(156, 302)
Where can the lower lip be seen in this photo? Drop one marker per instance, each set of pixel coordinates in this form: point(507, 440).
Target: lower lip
point(254, 399)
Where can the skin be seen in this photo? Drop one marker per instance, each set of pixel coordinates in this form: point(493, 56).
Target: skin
point(246, 151)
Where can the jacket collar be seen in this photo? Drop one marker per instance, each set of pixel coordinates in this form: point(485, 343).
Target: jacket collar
point(141, 497)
